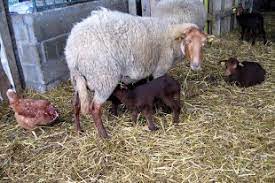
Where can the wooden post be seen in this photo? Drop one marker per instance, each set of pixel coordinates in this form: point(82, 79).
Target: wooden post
point(146, 7)
point(132, 5)
point(10, 45)
point(4, 82)
point(206, 6)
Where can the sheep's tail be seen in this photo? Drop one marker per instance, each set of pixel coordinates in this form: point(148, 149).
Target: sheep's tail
point(80, 86)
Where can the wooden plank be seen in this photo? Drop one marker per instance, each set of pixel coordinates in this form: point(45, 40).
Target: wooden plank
point(9, 44)
point(153, 4)
point(226, 16)
point(217, 5)
point(146, 7)
point(206, 6)
point(210, 18)
point(132, 5)
point(4, 82)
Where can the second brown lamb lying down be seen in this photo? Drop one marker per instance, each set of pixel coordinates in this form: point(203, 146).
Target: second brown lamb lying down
point(141, 99)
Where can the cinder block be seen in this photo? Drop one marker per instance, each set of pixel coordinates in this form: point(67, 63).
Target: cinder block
point(36, 86)
point(54, 69)
point(30, 54)
point(33, 74)
point(54, 48)
point(19, 28)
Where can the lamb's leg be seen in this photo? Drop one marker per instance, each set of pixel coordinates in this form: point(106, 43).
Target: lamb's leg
point(76, 104)
point(253, 36)
point(115, 102)
point(174, 103)
point(134, 116)
point(264, 34)
point(95, 109)
point(148, 113)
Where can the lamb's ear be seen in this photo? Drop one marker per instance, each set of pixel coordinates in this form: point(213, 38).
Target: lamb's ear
point(235, 66)
point(179, 31)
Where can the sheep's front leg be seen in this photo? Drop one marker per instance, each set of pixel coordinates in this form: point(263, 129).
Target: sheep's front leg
point(264, 35)
point(76, 104)
point(148, 113)
point(253, 36)
point(95, 110)
point(242, 33)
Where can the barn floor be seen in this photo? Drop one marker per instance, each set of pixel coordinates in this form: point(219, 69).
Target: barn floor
point(226, 134)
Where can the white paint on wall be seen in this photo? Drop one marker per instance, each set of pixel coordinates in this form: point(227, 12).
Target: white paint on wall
point(5, 63)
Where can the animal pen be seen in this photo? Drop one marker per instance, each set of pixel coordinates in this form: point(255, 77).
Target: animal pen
point(225, 133)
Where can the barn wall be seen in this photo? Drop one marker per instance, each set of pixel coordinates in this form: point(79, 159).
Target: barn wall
point(41, 38)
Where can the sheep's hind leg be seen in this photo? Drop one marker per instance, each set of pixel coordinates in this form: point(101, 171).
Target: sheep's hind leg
point(264, 35)
point(242, 33)
point(95, 109)
point(76, 104)
point(253, 36)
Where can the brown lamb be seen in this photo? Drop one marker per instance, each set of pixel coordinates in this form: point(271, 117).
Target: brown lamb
point(141, 99)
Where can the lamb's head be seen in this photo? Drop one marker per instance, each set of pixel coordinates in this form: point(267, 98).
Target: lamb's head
point(232, 66)
point(191, 40)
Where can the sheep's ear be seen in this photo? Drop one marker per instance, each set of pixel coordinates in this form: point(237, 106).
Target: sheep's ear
point(240, 64)
point(179, 31)
point(180, 38)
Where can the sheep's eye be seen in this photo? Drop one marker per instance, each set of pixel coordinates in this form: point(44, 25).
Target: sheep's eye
point(188, 41)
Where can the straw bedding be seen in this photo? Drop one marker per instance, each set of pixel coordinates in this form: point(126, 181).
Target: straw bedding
point(226, 133)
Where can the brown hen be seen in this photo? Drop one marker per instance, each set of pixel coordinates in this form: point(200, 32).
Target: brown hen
point(30, 113)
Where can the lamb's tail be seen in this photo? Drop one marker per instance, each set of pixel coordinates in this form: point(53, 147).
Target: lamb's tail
point(80, 86)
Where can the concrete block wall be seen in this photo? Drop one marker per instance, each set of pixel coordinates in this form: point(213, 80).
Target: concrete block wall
point(41, 38)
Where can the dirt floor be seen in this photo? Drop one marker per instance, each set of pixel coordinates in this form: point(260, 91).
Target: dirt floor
point(226, 134)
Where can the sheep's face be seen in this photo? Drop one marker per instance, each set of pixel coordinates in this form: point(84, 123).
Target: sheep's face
point(192, 46)
point(231, 66)
point(240, 10)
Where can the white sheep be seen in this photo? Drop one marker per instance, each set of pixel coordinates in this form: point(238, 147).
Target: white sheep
point(181, 11)
point(111, 47)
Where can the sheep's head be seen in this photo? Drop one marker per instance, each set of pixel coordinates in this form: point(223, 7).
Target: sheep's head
point(192, 40)
point(231, 66)
point(240, 10)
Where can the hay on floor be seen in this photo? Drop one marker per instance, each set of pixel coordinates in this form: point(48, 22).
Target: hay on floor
point(226, 133)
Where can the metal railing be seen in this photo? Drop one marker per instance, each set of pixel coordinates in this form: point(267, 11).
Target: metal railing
point(41, 5)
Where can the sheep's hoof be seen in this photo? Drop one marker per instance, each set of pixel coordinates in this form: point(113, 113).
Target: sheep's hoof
point(103, 134)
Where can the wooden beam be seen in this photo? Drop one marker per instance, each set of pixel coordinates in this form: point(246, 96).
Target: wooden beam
point(6, 32)
point(146, 7)
point(4, 82)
